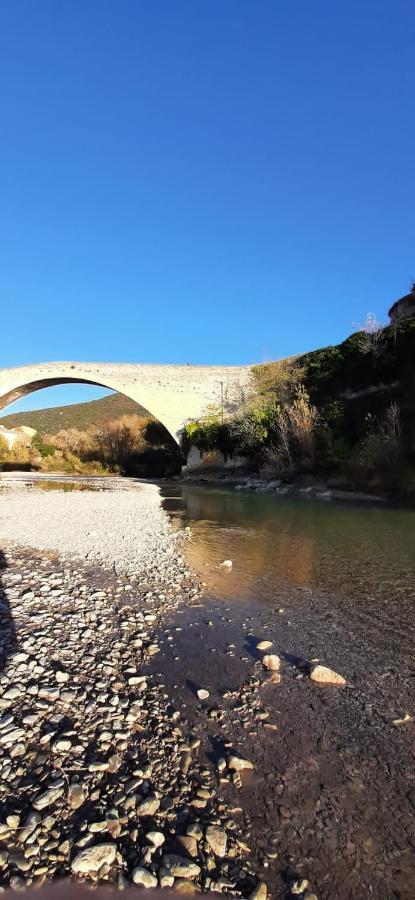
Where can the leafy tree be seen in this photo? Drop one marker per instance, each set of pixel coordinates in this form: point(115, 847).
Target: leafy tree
point(43, 449)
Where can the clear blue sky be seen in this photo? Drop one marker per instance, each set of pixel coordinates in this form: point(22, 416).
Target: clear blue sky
point(202, 181)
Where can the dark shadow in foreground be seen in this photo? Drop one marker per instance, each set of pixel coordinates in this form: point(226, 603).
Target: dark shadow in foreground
point(7, 630)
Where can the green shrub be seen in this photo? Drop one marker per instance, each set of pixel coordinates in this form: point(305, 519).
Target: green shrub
point(41, 447)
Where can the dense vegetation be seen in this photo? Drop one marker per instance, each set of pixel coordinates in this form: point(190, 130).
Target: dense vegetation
point(344, 414)
point(130, 445)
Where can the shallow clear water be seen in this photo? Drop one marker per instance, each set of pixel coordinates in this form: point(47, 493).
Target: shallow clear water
point(66, 483)
point(326, 581)
point(275, 543)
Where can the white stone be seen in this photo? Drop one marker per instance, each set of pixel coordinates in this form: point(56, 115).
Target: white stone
point(90, 860)
point(324, 675)
point(156, 838)
point(144, 877)
point(271, 662)
point(202, 694)
point(46, 798)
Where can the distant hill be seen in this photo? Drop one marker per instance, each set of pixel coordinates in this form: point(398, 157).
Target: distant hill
point(78, 415)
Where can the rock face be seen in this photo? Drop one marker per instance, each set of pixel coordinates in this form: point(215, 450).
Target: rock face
point(404, 308)
point(89, 861)
point(324, 675)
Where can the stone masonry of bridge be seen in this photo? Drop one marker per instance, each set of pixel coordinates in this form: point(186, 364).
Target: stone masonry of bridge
point(173, 394)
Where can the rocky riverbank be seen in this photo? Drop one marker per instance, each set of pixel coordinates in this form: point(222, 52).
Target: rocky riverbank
point(145, 738)
point(242, 481)
point(101, 778)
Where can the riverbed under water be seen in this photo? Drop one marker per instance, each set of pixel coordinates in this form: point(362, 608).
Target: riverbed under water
point(363, 554)
point(334, 790)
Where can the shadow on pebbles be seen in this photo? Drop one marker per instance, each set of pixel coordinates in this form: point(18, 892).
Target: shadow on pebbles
point(100, 778)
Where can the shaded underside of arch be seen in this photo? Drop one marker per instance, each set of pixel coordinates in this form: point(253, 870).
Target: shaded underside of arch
point(32, 386)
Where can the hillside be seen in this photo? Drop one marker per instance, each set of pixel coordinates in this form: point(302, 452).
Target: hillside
point(345, 413)
point(77, 415)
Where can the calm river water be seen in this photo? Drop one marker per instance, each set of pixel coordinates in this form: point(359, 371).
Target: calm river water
point(330, 581)
point(361, 552)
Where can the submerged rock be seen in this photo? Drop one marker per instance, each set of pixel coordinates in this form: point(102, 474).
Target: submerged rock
point(238, 764)
point(203, 694)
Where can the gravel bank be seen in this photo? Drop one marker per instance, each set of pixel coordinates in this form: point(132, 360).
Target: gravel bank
point(125, 531)
point(101, 778)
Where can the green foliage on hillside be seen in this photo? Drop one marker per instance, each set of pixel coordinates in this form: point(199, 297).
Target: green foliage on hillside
point(76, 415)
point(361, 361)
point(345, 412)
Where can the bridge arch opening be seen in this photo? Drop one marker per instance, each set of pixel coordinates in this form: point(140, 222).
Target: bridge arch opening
point(31, 387)
point(155, 452)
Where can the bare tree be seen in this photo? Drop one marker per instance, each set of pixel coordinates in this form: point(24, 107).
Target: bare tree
point(77, 442)
point(117, 441)
point(373, 329)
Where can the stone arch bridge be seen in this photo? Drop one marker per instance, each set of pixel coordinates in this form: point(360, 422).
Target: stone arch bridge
point(173, 394)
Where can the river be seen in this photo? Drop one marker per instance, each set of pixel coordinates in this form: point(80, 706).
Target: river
point(332, 581)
